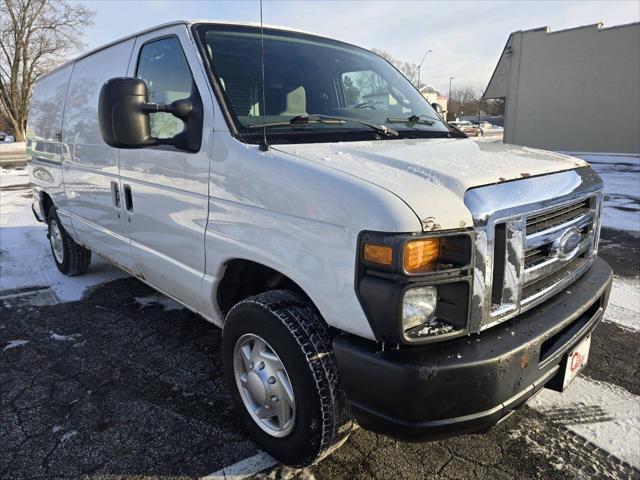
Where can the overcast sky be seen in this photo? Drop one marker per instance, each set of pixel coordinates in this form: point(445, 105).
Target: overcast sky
point(466, 37)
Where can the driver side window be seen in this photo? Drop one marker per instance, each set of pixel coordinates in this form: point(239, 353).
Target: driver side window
point(163, 67)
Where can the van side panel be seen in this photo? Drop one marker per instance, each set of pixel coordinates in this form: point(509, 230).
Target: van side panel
point(43, 141)
point(91, 168)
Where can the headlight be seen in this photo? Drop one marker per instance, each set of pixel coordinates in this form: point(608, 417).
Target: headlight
point(414, 256)
point(420, 256)
point(415, 289)
point(418, 307)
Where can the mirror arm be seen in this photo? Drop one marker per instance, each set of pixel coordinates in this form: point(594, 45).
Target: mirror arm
point(179, 108)
point(153, 108)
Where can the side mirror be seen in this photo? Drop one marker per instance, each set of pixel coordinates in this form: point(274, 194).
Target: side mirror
point(124, 120)
point(124, 116)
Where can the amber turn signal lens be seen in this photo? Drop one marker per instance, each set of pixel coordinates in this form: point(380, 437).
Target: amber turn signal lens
point(380, 254)
point(420, 255)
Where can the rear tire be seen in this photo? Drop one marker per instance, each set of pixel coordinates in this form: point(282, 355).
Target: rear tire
point(71, 258)
point(295, 335)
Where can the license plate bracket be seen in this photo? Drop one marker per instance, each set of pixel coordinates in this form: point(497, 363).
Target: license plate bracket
point(572, 363)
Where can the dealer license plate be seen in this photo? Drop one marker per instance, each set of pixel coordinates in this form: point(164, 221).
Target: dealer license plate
point(576, 360)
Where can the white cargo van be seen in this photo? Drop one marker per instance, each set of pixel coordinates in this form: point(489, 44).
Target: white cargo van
point(367, 262)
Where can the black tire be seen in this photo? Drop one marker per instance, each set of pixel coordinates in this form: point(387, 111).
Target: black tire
point(75, 258)
point(299, 336)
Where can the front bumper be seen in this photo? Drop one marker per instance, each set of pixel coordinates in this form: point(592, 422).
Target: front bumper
point(469, 384)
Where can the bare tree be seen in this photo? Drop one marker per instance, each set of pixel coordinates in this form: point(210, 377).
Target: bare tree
point(35, 36)
point(465, 100)
point(408, 69)
point(493, 106)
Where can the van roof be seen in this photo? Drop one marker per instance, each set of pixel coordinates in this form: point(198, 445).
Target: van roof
point(169, 24)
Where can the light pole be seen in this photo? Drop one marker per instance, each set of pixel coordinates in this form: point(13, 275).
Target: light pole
point(420, 66)
point(449, 100)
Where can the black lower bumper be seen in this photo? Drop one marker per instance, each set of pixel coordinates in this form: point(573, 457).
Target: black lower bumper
point(471, 383)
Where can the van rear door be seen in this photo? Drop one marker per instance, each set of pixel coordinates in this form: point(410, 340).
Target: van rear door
point(166, 191)
point(43, 142)
point(90, 166)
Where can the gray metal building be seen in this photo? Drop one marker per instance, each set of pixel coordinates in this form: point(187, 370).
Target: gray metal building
point(572, 90)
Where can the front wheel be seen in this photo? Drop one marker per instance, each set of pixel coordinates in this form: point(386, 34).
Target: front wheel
point(281, 371)
point(71, 258)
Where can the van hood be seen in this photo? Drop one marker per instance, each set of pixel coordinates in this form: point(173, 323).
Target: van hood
point(448, 166)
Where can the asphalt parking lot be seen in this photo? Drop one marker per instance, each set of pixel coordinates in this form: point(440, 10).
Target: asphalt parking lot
point(120, 382)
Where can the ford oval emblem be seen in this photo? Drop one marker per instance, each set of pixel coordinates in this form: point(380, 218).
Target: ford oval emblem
point(568, 242)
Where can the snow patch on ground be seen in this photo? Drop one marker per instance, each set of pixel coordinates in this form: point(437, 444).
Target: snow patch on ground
point(11, 177)
point(606, 415)
point(15, 344)
point(621, 175)
point(560, 445)
point(624, 303)
point(158, 300)
point(24, 248)
point(244, 468)
point(68, 435)
point(63, 338)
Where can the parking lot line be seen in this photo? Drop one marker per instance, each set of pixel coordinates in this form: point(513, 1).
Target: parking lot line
point(244, 468)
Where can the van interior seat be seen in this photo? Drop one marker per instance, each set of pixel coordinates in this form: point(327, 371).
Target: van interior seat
point(296, 102)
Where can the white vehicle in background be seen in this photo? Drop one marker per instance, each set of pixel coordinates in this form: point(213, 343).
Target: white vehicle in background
point(366, 262)
point(6, 138)
point(467, 128)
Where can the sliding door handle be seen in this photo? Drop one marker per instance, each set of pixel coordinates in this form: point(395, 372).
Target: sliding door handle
point(128, 198)
point(115, 194)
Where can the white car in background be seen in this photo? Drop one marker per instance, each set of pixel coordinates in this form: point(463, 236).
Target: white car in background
point(467, 128)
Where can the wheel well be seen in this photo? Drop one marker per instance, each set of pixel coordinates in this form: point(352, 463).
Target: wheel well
point(47, 203)
point(244, 278)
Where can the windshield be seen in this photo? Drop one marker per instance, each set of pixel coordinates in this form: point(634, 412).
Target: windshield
point(307, 75)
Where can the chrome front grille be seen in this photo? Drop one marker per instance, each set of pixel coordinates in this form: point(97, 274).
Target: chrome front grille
point(533, 239)
point(532, 258)
point(558, 216)
point(546, 264)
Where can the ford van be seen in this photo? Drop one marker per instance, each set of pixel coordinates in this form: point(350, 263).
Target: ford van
point(368, 264)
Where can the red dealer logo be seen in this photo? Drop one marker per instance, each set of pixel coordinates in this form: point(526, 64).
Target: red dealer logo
point(577, 359)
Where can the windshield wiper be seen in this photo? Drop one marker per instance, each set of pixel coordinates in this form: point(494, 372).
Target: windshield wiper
point(326, 119)
point(418, 119)
point(413, 119)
